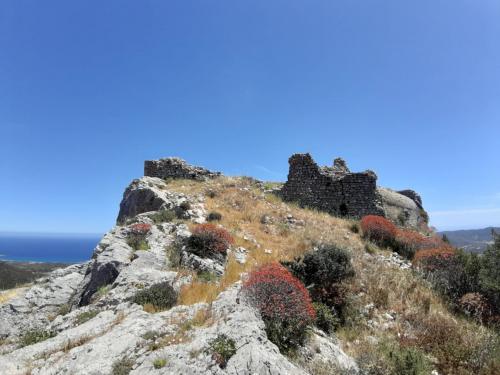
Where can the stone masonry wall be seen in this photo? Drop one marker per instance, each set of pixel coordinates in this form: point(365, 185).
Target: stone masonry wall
point(176, 168)
point(331, 189)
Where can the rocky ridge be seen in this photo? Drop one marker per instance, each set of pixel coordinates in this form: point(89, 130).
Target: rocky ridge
point(94, 326)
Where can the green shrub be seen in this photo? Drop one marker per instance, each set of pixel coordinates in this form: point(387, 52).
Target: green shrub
point(489, 275)
point(207, 277)
point(34, 336)
point(159, 363)
point(408, 361)
point(214, 216)
point(162, 296)
point(222, 349)
point(323, 272)
point(370, 248)
point(354, 227)
point(86, 316)
point(326, 319)
point(64, 309)
point(327, 265)
point(122, 367)
point(163, 216)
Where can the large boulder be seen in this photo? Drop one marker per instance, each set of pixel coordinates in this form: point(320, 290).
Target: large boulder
point(151, 194)
point(401, 209)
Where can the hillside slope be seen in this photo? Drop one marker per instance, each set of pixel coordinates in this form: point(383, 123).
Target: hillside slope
point(474, 240)
point(94, 318)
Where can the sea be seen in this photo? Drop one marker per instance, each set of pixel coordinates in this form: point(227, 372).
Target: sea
point(47, 248)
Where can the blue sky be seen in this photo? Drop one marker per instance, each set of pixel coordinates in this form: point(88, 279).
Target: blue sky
point(90, 89)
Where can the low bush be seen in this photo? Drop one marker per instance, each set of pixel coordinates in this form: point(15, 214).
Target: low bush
point(283, 302)
point(163, 216)
point(370, 248)
point(430, 259)
point(489, 275)
point(161, 296)
point(222, 349)
point(475, 305)
point(140, 228)
point(378, 230)
point(207, 241)
point(327, 265)
point(354, 228)
point(392, 359)
point(444, 270)
point(159, 363)
point(207, 277)
point(122, 366)
point(136, 237)
point(214, 216)
point(86, 316)
point(457, 348)
point(326, 318)
point(407, 243)
point(35, 336)
point(323, 271)
point(408, 361)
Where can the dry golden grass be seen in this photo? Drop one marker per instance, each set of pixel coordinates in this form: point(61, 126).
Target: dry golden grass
point(7, 295)
point(391, 289)
point(242, 207)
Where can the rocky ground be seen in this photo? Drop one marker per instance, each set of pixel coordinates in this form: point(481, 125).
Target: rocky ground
point(82, 320)
point(93, 328)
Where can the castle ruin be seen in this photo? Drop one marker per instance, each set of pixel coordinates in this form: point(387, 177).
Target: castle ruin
point(176, 168)
point(341, 192)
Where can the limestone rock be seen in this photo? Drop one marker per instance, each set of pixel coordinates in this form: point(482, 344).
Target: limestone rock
point(400, 209)
point(33, 308)
point(151, 194)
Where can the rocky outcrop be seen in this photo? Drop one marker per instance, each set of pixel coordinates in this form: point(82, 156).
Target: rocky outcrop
point(400, 209)
point(126, 332)
point(151, 194)
point(33, 308)
point(176, 168)
point(95, 327)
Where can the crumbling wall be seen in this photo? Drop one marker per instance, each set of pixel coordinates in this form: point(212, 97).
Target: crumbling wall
point(176, 168)
point(332, 189)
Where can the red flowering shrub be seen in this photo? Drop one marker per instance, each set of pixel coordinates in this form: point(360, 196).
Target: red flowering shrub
point(432, 258)
point(284, 304)
point(207, 240)
point(140, 229)
point(407, 242)
point(378, 229)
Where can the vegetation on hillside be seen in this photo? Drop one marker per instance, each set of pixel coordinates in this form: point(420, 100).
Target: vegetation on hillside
point(13, 274)
point(392, 320)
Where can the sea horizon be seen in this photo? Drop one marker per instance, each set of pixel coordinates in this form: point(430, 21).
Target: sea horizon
point(33, 247)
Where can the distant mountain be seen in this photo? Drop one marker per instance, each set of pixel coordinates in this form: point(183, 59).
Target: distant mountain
point(473, 240)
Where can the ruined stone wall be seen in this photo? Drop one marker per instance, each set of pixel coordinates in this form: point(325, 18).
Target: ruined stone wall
point(176, 168)
point(334, 190)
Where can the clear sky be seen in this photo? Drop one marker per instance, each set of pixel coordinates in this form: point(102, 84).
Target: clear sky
point(90, 89)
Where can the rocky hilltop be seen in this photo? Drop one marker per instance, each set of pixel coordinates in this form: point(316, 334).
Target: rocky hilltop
point(152, 301)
